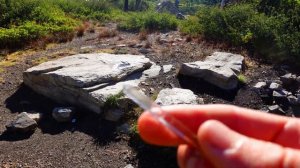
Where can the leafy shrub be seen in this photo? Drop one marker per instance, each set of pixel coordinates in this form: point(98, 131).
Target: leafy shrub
point(191, 26)
point(273, 34)
point(148, 21)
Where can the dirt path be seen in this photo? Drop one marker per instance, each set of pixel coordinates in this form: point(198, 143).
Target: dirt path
point(90, 142)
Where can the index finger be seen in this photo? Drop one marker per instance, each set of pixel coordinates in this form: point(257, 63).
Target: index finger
point(251, 123)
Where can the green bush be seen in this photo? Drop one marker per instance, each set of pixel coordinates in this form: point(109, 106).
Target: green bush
point(274, 34)
point(191, 26)
point(24, 20)
point(148, 21)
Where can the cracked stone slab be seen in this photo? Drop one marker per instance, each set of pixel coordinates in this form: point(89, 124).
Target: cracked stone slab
point(220, 69)
point(88, 80)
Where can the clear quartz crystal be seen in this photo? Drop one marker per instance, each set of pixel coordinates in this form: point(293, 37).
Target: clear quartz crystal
point(173, 124)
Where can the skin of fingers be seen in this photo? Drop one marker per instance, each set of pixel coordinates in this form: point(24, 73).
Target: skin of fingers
point(189, 157)
point(224, 147)
point(251, 123)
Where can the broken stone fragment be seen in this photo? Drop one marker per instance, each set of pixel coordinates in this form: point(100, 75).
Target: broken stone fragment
point(23, 123)
point(293, 100)
point(298, 79)
point(220, 69)
point(35, 116)
point(275, 109)
point(167, 68)
point(260, 85)
point(280, 93)
point(275, 86)
point(288, 79)
point(124, 128)
point(62, 114)
point(177, 96)
point(129, 166)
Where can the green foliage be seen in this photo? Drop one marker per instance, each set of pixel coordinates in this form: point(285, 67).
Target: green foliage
point(112, 101)
point(134, 128)
point(272, 33)
point(148, 21)
point(23, 21)
point(191, 26)
point(242, 78)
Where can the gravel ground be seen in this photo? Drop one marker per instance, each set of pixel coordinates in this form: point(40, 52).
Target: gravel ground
point(91, 141)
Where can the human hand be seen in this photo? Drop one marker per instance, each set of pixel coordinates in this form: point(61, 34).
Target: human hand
point(228, 136)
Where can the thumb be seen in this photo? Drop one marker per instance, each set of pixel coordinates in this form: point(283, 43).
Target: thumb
point(223, 147)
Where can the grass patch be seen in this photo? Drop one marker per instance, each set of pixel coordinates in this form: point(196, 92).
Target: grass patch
point(154, 96)
point(40, 60)
point(242, 78)
point(14, 58)
point(112, 101)
point(106, 50)
point(134, 128)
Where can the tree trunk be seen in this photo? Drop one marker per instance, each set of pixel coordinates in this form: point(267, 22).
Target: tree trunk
point(177, 4)
point(125, 5)
point(137, 4)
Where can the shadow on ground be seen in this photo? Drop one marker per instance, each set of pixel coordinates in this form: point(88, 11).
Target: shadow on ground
point(199, 86)
point(149, 156)
point(6, 136)
point(25, 99)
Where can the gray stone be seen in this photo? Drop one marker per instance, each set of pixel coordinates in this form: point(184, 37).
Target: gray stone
point(23, 123)
point(124, 128)
point(293, 100)
point(280, 94)
point(35, 116)
point(152, 72)
point(298, 79)
point(219, 69)
point(113, 114)
point(167, 68)
point(121, 45)
point(88, 80)
point(62, 114)
point(144, 83)
point(288, 79)
point(176, 96)
point(144, 50)
point(275, 109)
point(180, 16)
point(87, 47)
point(129, 166)
point(280, 97)
point(260, 85)
point(275, 86)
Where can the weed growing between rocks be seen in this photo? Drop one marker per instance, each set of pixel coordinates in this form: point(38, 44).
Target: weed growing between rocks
point(242, 79)
point(112, 101)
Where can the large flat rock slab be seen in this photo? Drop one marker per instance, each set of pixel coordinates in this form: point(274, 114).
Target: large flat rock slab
point(220, 69)
point(88, 79)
